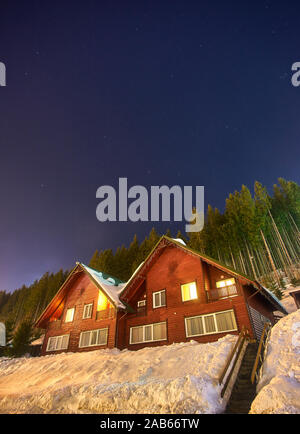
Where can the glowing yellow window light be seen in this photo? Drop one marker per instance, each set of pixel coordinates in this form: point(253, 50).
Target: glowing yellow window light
point(189, 291)
point(223, 283)
point(102, 301)
point(70, 315)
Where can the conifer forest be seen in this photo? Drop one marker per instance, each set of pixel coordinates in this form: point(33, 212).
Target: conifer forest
point(257, 235)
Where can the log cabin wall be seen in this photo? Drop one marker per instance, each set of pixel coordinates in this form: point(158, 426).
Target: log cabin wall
point(82, 292)
point(174, 268)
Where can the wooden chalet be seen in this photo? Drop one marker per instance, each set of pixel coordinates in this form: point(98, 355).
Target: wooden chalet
point(175, 295)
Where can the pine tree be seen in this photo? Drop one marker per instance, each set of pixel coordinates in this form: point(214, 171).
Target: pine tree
point(94, 260)
point(22, 339)
point(121, 263)
point(181, 237)
point(106, 262)
point(9, 328)
point(132, 255)
point(168, 233)
point(153, 239)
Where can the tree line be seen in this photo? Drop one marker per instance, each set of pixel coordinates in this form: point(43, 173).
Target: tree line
point(257, 235)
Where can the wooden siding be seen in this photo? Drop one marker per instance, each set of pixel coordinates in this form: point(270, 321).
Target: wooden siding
point(170, 268)
point(174, 268)
point(84, 291)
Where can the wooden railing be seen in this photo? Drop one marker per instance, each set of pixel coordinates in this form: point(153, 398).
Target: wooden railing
point(235, 353)
point(260, 352)
point(141, 311)
point(219, 293)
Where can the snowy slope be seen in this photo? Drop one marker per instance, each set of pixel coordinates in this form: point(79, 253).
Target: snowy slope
point(178, 378)
point(279, 387)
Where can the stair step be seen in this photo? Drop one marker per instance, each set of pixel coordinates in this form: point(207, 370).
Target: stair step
point(238, 411)
point(244, 391)
point(239, 404)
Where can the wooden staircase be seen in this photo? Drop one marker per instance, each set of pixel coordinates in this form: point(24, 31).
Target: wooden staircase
point(244, 390)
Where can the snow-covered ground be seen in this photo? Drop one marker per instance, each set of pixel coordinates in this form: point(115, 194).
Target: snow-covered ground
point(178, 378)
point(287, 300)
point(279, 387)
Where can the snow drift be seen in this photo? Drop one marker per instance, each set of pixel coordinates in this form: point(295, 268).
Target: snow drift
point(178, 378)
point(279, 386)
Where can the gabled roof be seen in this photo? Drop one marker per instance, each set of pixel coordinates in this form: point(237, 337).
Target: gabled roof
point(117, 291)
point(164, 240)
point(110, 285)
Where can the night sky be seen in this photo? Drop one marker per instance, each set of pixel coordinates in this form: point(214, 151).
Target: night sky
point(160, 92)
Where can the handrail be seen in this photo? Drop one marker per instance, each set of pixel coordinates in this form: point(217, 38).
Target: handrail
point(244, 334)
point(262, 343)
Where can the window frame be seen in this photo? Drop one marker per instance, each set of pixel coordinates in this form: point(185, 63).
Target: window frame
point(215, 323)
point(56, 337)
point(90, 338)
point(91, 310)
point(190, 299)
point(143, 303)
point(144, 326)
point(70, 308)
point(153, 299)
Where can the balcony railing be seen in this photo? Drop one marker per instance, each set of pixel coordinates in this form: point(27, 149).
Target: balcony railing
point(220, 293)
point(105, 314)
point(141, 311)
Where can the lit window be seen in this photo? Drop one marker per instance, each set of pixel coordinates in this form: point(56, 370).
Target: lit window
point(70, 314)
point(102, 302)
point(189, 291)
point(87, 311)
point(159, 298)
point(223, 283)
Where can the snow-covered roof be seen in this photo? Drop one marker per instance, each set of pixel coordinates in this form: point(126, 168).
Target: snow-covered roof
point(179, 240)
point(270, 293)
point(294, 290)
point(110, 285)
point(38, 341)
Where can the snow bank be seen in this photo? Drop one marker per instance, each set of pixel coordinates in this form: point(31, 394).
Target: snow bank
point(279, 387)
point(178, 378)
point(288, 302)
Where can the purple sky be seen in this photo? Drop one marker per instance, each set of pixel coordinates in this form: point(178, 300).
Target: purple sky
point(171, 92)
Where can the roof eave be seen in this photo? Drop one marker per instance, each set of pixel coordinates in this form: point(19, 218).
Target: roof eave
point(99, 286)
point(39, 321)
